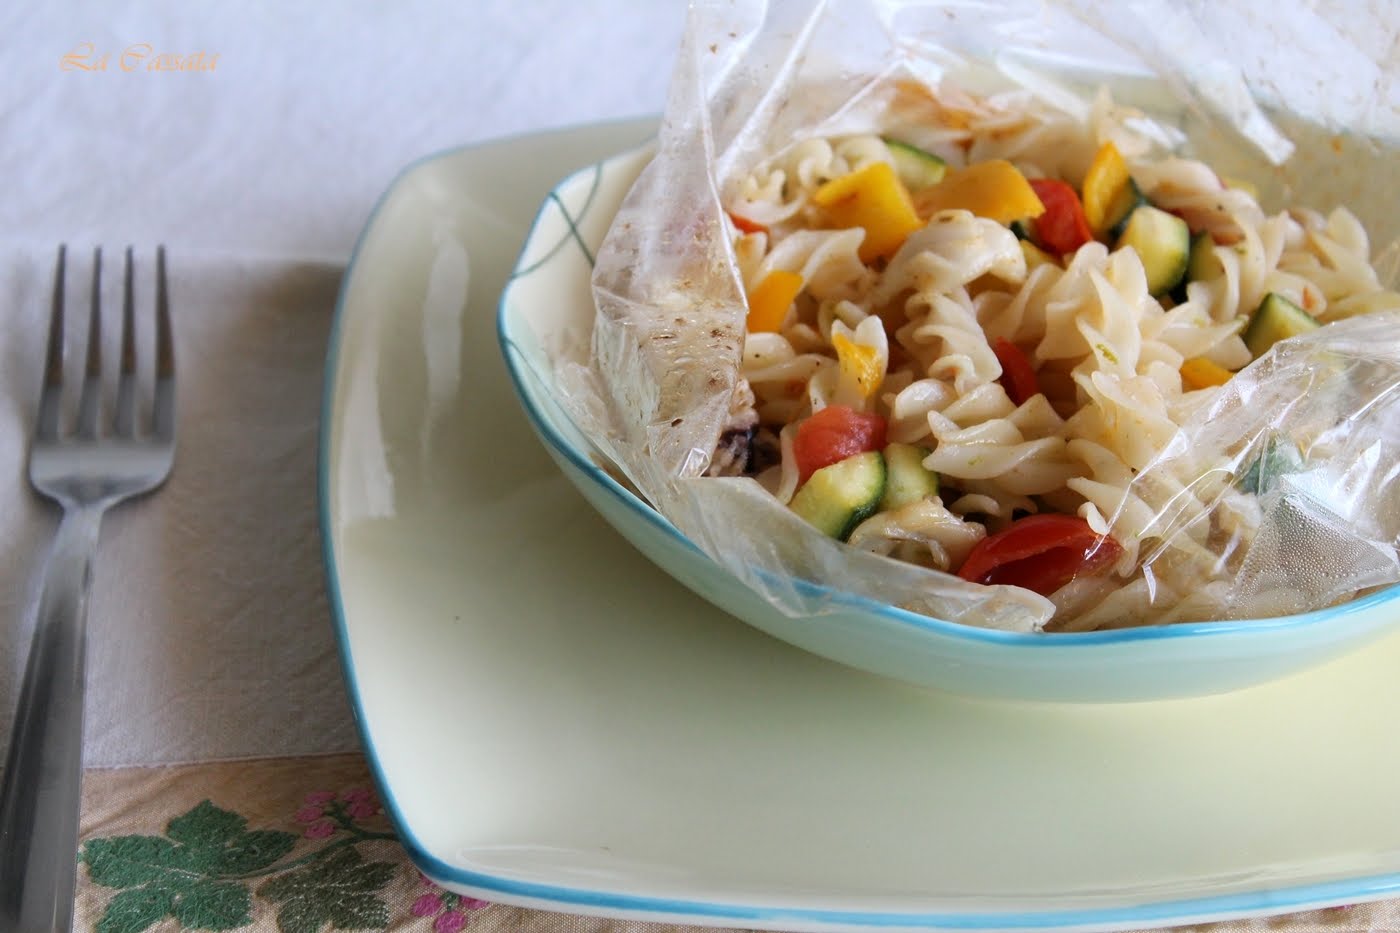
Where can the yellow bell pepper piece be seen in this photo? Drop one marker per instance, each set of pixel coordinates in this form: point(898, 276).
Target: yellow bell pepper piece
point(872, 198)
point(996, 190)
point(1200, 373)
point(770, 299)
point(859, 362)
point(1107, 177)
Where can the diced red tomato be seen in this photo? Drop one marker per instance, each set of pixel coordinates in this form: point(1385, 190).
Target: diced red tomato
point(747, 226)
point(1017, 376)
point(1063, 227)
point(1040, 553)
point(833, 434)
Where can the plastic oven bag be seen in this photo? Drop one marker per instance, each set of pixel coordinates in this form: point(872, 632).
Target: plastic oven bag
point(1277, 494)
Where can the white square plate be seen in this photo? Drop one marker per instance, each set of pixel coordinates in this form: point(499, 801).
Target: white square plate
point(554, 722)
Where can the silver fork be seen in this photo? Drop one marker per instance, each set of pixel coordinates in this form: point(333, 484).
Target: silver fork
point(86, 471)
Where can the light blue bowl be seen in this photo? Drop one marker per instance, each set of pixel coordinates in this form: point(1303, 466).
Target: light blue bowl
point(548, 299)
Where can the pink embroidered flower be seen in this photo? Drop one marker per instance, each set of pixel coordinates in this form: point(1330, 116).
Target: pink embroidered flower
point(362, 809)
point(427, 905)
point(358, 795)
point(309, 814)
point(320, 829)
point(450, 908)
point(320, 798)
point(450, 922)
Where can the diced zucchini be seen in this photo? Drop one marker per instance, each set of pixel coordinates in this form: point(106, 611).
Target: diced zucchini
point(1022, 229)
point(1202, 265)
point(907, 480)
point(915, 167)
point(1276, 319)
point(839, 497)
point(1120, 209)
point(1163, 243)
point(1279, 457)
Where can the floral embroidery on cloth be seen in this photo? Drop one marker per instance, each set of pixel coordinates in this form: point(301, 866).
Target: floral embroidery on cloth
point(449, 910)
point(210, 871)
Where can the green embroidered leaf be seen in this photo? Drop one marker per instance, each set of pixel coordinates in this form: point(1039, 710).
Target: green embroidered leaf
point(203, 845)
point(128, 861)
point(206, 826)
point(355, 912)
point(253, 851)
point(137, 909)
point(214, 905)
point(339, 889)
point(214, 842)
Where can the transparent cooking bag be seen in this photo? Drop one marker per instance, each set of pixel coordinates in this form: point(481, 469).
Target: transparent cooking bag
point(1271, 494)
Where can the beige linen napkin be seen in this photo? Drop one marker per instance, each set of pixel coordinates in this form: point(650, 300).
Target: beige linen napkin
point(210, 635)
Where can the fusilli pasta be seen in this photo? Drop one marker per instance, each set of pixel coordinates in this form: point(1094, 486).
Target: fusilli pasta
point(1036, 376)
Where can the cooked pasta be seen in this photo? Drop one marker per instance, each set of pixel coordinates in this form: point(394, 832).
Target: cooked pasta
point(1038, 349)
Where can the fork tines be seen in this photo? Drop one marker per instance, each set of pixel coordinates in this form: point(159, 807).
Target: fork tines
point(124, 421)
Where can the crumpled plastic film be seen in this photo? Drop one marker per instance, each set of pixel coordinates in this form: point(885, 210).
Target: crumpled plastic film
point(1280, 497)
point(1299, 533)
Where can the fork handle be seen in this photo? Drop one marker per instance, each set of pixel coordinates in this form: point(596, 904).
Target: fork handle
point(39, 802)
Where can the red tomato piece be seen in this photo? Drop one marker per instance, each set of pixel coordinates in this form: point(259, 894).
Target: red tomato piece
point(748, 226)
point(1063, 227)
point(1017, 376)
point(1040, 553)
point(833, 434)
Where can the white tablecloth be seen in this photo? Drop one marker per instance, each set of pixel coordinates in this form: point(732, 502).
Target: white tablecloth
point(211, 637)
